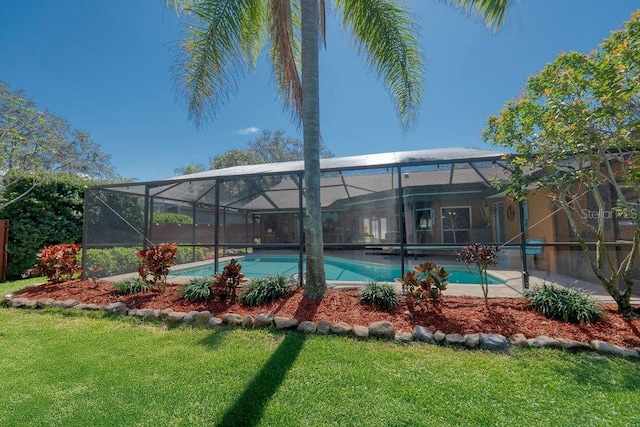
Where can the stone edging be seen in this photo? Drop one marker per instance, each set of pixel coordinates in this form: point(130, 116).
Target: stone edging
point(381, 329)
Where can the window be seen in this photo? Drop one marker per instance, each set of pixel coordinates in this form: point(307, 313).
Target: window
point(456, 222)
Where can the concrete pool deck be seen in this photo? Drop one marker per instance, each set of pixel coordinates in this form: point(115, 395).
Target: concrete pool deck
point(511, 288)
point(513, 285)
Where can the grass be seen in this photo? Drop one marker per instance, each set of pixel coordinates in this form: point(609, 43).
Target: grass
point(76, 369)
point(15, 285)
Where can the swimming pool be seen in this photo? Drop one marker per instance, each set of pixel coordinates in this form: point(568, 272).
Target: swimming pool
point(336, 269)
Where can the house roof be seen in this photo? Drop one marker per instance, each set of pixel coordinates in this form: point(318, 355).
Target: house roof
point(396, 158)
point(343, 177)
point(367, 188)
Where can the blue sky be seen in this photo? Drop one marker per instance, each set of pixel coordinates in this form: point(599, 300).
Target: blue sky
point(106, 67)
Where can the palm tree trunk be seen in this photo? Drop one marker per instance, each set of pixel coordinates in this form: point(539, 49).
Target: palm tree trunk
point(315, 285)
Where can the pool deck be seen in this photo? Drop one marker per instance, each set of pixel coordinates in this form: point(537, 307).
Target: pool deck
point(511, 288)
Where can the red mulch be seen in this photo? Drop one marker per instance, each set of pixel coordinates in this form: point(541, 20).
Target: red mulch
point(463, 315)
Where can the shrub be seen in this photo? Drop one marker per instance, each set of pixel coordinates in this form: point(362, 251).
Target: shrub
point(381, 295)
point(110, 261)
point(119, 260)
point(480, 256)
point(185, 254)
point(156, 261)
point(172, 218)
point(57, 262)
point(427, 281)
point(198, 289)
point(265, 289)
point(132, 285)
point(50, 214)
point(226, 284)
point(565, 304)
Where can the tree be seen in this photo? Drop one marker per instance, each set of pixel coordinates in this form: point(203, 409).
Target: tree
point(37, 144)
point(275, 147)
point(270, 147)
point(575, 131)
point(480, 257)
point(227, 36)
point(189, 169)
point(235, 157)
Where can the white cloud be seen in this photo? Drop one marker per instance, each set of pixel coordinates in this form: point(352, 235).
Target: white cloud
point(248, 131)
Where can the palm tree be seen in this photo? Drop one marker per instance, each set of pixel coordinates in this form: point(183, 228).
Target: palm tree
point(227, 36)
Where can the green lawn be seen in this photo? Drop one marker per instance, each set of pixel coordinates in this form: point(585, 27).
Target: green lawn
point(15, 285)
point(68, 368)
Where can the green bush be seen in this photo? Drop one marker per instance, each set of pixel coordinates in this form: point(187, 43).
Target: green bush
point(110, 262)
point(565, 304)
point(132, 285)
point(381, 295)
point(198, 289)
point(185, 253)
point(265, 289)
point(172, 218)
point(50, 214)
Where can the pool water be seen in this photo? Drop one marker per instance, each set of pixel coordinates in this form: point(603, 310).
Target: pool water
point(336, 269)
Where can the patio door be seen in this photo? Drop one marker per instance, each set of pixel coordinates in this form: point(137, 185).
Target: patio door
point(423, 224)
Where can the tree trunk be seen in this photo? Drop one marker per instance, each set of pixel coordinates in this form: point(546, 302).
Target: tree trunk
point(315, 285)
point(623, 300)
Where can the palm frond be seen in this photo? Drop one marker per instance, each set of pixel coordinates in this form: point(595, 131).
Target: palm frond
point(387, 34)
point(285, 53)
point(224, 38)
point(256, 32)
point(181, 6)
point(492, 12)
point(323, 23)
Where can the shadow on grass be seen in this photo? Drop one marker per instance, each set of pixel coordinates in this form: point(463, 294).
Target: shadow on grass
point(607, 373)
point(248, 408)
point(217, 337)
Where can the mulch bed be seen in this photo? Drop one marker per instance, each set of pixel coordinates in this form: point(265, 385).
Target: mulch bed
point(457, 314)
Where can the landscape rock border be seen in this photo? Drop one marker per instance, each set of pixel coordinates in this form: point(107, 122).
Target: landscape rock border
point(381, 329)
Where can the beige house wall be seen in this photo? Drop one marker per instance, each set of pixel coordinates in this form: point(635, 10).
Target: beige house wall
point(541, 227)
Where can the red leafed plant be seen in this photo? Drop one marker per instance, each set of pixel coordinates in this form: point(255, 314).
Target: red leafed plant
point(427, 281)
point(480, 257)
point(226, 283)
point(57, 262)
point(155, 262)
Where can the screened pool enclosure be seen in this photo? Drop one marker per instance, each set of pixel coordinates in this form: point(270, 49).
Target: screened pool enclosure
point(390, 209)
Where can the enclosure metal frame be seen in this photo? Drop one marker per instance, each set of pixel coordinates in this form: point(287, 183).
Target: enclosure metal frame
point(396, 160)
